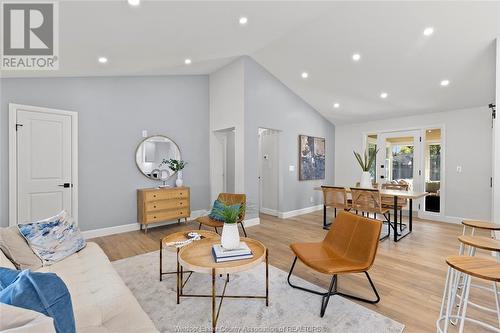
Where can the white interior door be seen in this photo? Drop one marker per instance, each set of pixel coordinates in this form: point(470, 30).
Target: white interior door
point(45, 157)
point(268, 171)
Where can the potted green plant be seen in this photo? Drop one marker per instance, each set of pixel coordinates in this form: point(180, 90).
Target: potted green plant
point(366, 162)
point(230, 214)
point(176, 166)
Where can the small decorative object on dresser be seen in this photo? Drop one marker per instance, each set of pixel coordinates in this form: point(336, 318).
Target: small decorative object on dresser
point(162, 204)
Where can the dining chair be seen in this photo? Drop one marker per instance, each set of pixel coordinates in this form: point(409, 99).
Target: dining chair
point(349, 247)
point(368, 201)
point(334, 197)
point(228, 199)
point(388, 202)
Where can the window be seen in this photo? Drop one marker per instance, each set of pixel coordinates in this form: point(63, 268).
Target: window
point(371, 146)
point(402, 162)
point(435, 162)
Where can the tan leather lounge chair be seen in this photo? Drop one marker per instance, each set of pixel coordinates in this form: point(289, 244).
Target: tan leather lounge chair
point(349, 247)
point(228, 199)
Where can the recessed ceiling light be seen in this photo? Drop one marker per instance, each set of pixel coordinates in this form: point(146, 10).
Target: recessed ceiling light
point(102, 60)
point(336, 105)
point(243, 20)
point(187, 61)
point(444, 83)
point(305, 75)
point(384, 95)
point(356, 56)
point(134, 3)
point(428, 31)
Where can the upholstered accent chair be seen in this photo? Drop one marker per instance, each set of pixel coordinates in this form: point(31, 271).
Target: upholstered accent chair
point(349, 247)
point(228, 199)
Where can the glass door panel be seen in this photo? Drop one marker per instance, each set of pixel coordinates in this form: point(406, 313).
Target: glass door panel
point(400, 158)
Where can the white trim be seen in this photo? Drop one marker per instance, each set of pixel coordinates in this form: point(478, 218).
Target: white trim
point(134, 226)
point(13, 108)
point(443, 218)
point(251, 222)
point(268, 211)
point(297, 212)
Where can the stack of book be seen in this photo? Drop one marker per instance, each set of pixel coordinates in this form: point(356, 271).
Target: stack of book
point(222, 255)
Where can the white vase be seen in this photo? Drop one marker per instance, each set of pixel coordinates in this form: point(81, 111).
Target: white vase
point(230, 238)
point(366, 181)
point(179, 181)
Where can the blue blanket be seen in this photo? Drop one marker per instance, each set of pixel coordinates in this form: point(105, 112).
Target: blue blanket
point(42, 292)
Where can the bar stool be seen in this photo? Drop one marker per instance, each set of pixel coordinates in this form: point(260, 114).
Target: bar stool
point(474, 243)
point(484, 269)
point(475, 224)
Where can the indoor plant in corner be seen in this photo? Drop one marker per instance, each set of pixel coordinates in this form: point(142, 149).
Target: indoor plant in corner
point(230, 238)
point(365, 164)
point(176, 166)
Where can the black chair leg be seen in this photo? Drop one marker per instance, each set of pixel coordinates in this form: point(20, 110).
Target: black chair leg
point(401, 219)
point(243, 228)
point(332, 290)
point(216, 231)
point(326, 298)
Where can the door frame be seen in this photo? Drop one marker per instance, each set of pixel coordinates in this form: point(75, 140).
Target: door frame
point(421, 213)
point(13, 109)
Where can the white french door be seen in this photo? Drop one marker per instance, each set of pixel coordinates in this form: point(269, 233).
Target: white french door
point(43, 170)
point(399, 158)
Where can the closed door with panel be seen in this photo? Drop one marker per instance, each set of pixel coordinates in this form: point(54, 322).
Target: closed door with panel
point(44, 165)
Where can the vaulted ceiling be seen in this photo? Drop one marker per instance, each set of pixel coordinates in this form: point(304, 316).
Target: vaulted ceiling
point(291, 37)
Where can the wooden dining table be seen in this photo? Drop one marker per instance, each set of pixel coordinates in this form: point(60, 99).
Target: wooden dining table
point(395, 194)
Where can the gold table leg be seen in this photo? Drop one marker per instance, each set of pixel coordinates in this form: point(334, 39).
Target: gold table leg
point(214, 323)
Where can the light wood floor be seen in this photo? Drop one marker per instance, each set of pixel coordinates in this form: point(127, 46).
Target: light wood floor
point(409, 275)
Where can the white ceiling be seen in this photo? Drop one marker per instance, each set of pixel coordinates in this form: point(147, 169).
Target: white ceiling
point(288, 38)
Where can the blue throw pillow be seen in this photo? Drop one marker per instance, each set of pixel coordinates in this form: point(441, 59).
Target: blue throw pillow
point(42, 292)
point(218, 205)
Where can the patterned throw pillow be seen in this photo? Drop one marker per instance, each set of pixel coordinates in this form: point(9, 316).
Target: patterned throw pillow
point(218, 206)
point(53, 239)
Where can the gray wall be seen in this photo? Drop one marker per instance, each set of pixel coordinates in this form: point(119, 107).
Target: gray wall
point(270, 104)
point(112, 114)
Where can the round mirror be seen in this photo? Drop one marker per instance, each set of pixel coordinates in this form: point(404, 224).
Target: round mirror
point(151, 156)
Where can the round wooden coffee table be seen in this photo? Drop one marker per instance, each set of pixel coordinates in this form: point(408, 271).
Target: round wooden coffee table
point(181, 236)
point(198, 258)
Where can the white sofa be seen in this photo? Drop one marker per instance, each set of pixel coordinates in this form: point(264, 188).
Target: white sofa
point(102, 302)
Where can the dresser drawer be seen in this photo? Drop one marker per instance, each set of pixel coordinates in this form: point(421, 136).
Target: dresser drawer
point(167, 215)
point(165, 195)
point(153, 206)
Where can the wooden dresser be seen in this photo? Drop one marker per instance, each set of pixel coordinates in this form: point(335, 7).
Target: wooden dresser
point(162, 204)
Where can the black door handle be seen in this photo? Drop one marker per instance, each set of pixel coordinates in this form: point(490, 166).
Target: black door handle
point(66, 185)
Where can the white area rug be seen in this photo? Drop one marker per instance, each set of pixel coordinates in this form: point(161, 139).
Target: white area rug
point(289, 310)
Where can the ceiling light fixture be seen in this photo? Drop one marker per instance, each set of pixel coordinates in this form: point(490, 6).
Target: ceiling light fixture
point(384, 95)
point(102, 60)
point(187, 61)
point(305, 75)
point(428, 31)
point(336, 105)
point(134, 3)
point(356, 56)
point(243, 20)
point(444, 83)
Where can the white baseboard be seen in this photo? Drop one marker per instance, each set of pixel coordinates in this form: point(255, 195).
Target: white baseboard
point(268, 211)
point(251, 222)
point(134, 226)
point(292, 213)
point(441, 218)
